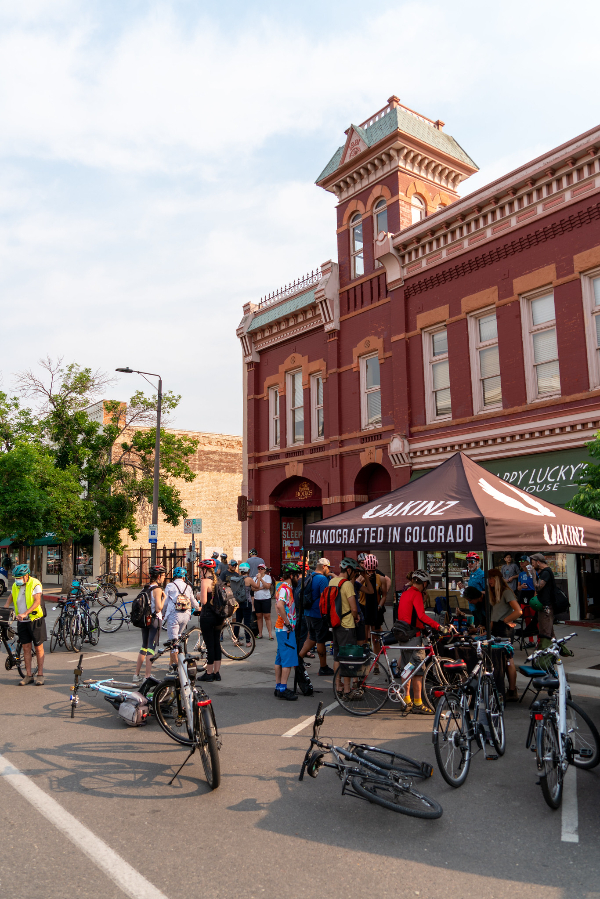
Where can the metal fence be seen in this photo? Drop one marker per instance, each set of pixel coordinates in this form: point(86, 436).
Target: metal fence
point(135, 563)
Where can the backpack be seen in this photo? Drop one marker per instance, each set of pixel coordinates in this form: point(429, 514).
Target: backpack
point(306, 595)
point(561, 603)
point(183, 603)
point(141, 608)
point(223, 602)
point(330, 605)
point(238, 587)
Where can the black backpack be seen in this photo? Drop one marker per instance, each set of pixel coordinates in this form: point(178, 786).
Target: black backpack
point(306, 594)
point(141, 609)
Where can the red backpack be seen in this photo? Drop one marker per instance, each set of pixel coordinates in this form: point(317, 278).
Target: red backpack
point(330, 605)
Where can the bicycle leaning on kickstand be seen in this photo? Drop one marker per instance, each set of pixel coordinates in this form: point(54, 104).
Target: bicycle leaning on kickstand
point(560, 732)
point(370, 773)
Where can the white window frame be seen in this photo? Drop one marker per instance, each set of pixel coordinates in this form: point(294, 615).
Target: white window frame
point(377, 212)
point(421, 206)
point(314, 407)
point(289, 396)
point(428, 361)
point(528, 330)
point(590, 312)
point(475, 346)
point(365, 426)
point(274, 416)
point(355, 221)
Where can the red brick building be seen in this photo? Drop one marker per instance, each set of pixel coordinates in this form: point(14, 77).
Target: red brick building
point(445, 324)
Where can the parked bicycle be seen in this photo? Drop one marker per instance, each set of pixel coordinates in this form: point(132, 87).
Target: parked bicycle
point(113, 617)
point(235, 648)
point(102, 592)
point(367, 772)
point(12, 645)
point(468, 712)
point(76, 624)
point(375, 678)
point(560, 732)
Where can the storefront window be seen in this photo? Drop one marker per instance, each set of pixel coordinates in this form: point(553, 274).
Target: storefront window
point(54, 560)
point(84, 557)
point(435, 564)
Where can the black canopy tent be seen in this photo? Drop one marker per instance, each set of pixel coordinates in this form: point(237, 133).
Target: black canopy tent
point(457, 506)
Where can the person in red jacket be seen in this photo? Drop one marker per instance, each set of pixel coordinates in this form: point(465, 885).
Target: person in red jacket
point(411, 610)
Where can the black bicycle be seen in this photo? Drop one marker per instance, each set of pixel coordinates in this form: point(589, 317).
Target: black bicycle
point(12, 645)
point(377, 775)
point(468, 712)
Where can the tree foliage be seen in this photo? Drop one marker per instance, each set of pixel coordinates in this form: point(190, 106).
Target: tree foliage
point(587, 499)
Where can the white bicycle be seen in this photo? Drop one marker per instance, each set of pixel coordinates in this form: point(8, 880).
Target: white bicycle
point(564, 734)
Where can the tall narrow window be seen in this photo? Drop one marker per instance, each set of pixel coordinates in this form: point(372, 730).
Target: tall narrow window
point(591, 295)
point(541, 347)
point(437, 374)
point(318, 421)
point(485, 362)
point(274, 433)
point(356, 246)
point(370, 392)
point(418, 208)
point(295, 408)
point(380, 222)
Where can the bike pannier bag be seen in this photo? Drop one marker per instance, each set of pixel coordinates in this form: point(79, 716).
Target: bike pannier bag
point(141, 609)
point(353, 660)
point(134, 710)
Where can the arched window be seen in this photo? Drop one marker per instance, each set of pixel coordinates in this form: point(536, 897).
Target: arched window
point(380, 221)
point(418, 210)
point(356, 246)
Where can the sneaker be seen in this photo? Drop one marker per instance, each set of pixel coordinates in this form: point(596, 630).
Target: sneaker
point(323, 672)
point(137, 678)
point(26, 680)
point(39, 681)
point(422, 710)
point(207, 677)
point(287, 694)
point(217, 675)
point(353, 695)
point(511, 696)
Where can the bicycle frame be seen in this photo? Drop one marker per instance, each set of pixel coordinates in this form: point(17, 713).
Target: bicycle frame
point(399, 686)
point(564, 693)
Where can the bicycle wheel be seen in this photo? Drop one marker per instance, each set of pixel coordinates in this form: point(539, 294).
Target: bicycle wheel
point(450, 740)
point(66, 631)
point(207, 743)
point(548, 760)
point(76, 633)
point(56, 637)
point(405, 768)
point(21, 661)
point(396, 796)
point(240, 647)
point(367, 694)
point(193, 642)
point(495, 717)
point(170, 713)
point(585, 741)
point(110, 619)
point(93, 628)
point(437, 677)
point(107, 595)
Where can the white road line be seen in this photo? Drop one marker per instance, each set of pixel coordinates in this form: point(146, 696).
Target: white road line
point(296, 730)
point(570, 818)
point(120, 872)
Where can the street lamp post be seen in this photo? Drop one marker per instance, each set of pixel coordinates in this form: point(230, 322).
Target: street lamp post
point(131, 371)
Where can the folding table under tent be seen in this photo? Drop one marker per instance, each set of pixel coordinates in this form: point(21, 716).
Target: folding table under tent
point(458, 506)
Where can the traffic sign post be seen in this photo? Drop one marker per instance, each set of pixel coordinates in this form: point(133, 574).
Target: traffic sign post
point(192, 526)
point(152, 533)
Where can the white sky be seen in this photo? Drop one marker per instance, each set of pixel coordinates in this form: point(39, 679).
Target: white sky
point(158, 158)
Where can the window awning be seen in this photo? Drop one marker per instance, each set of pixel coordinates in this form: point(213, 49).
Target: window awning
point(6, 542)
point(48, 540)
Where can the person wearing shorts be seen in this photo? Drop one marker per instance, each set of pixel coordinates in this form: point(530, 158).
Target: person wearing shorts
point(287, 652)
point(179, 602)
point(31, 628)
point(317, 629)
point(262, 600)
point(150, 632)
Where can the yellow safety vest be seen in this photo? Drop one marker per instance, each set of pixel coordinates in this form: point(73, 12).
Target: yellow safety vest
point(29, 600)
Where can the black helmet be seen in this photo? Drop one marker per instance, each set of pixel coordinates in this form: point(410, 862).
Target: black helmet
point(253, 552)
point(157, 569)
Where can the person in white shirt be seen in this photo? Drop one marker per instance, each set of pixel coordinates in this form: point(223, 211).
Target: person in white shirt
point(262, 600)
point(179, 602)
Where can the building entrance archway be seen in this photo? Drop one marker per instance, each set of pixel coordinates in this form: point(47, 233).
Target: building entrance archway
point(300, 503)
point(372, 481)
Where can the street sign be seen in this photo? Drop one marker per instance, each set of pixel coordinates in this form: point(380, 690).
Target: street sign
point(192, 525)
point(152, 533)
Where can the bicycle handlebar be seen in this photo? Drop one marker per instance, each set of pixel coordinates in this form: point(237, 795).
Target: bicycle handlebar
point(553, 649)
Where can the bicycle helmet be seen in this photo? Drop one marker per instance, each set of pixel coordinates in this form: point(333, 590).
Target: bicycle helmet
point(253, 552)
point(208, 563)
point(215, 555)
point(362, 557)
point(232, 563)
point(224, 555)
point(290, 569)
point(157, 569)
point(244, 567)
point(421, 576)
point(370, 562)
point(179, 572)
point(348, 564)
point(473, 557)
point(21, 570)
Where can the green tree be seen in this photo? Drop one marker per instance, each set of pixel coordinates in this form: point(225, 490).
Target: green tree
point(114, 459)
point(587, 499)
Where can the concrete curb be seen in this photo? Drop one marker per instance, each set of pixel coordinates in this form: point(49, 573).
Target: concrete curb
point(584, 676)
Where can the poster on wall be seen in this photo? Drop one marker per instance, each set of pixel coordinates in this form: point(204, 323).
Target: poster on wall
point(291, 539)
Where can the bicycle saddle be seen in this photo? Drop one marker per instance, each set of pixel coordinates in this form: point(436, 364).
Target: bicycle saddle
point(122, 594)
point(546, 683)
point(459, 664)
point(388, 638)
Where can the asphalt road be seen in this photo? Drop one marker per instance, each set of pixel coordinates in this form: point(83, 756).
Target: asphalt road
point(262, 833)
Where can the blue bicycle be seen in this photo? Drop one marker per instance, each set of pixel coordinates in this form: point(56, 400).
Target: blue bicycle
point(111, 618)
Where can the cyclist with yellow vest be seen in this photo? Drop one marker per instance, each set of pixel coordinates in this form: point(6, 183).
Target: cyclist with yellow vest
point(31, 626)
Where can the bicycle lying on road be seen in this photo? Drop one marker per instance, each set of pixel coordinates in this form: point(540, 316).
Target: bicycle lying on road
point(12, 645)
point(363, 686)
point(370, 773)
point(560, 732)
point(469, 712)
